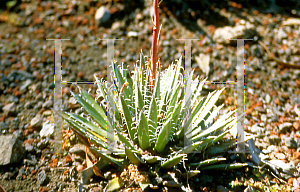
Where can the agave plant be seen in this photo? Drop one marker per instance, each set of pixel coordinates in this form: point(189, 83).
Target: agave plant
point(151, 123)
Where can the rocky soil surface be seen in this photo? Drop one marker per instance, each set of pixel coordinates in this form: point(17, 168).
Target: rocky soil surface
point(28, 161)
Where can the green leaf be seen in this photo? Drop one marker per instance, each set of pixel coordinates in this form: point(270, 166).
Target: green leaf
point(172, 162)
point(121, 81)
point(143, 132)
point(106, 157)
point(138, 98)
point(208, 162)
point(163, 137)
point(93, 103)
point(82, 130)
point(176, 75)
point(219, 124)
point(152, 117)
point(225, 166)
point(133, 158)
point(128, 118)
point(113, 184)
point(173, 100)
point(152, 159)
point(91, 111)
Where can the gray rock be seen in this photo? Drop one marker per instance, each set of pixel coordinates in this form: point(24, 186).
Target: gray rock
point(290, 142)
point(48, 104)
point(256, 129)
point(263, 118)
point(285, 126)
point(5, 62)
point(11, 150)
point(18, 134)
point(29, 147)
point(9, 109)
point(102, 15)
point(26, 84)
point(268, 98)
point(281, 34)
point(13, 99)
point(28, 105)
point(37, 121)
point(256, 51)
point(3, 127)
point(43, 178)
point(47, 130)
point(23, 74)
point(274, 139)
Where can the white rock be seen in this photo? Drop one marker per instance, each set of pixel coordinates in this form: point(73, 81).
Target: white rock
point(286, 167)
point(47, 130)
point(224, 34)
point(102, 15)
point(9, 108)
point(291, 21)
point(36, 121)
point(132, 34)
point(203, 62)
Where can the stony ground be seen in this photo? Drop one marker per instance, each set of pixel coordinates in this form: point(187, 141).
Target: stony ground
point(27, 157)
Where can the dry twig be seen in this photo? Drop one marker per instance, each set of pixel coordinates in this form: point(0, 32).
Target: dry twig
point(285, 64)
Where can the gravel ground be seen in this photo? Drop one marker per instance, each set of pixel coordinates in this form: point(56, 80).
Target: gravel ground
point(28, 161)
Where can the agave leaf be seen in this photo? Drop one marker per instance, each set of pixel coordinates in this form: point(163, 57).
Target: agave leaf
point(212, 140)
point(152, 118)
point(91, 110)
point(121, 81)
point(208, 162)
point(225, 166)
point(128, 118)
point(151, 159)
point(101, 87)
point(186, 124)
point(93, 103)
point(83, 131)
point(138, 98)
point(207, 106)
point(163, 136)
point(190, 148)
point(213, 114)
point(106, 157)
point(198, 91)
point(175, 115)
point(157, 87)
point(172, 162)
point(173, 100)
point(219, 124)
point(133, 158)
point(143, 132)
point(89, 125)
point(176, 75)
point(125, 141)
point(221, 148)
point(126, 75)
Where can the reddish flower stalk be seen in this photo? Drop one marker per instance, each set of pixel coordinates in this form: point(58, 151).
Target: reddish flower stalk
point(154, 41)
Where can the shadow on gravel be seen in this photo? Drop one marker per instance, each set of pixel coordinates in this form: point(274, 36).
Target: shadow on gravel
point(187, 12)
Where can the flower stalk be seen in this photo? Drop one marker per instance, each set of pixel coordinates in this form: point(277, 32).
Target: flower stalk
point(154, 41)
